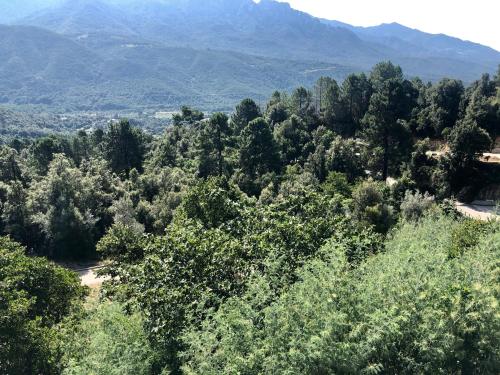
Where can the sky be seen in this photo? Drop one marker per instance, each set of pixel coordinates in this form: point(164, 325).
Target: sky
point(474, 20)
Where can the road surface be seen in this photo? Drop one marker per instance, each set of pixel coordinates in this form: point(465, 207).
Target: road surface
point(88, 276)
point(478, 212)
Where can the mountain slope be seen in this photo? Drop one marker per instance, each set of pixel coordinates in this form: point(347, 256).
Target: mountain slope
point(271, 29)
point(77, 17)
point(439, 44)
point(268, 28)
point(13, 10)
point(30, 53)
point(59, 73)
point(117, 54)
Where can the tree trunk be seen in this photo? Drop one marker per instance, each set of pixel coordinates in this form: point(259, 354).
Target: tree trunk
point(385, 167)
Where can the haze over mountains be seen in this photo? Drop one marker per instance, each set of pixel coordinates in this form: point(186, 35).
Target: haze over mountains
point(121, 54)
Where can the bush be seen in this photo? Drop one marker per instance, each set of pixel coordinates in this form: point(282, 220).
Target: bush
point(337, 183)
point(107, 342)
point(408, 310)
point(465, 236)
point(370, 207)
point(415, 205)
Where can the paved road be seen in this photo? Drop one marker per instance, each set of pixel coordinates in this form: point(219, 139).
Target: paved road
point(484, 213)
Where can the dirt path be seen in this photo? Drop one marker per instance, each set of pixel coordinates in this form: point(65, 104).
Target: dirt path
point(478, 212)
point(88, 277)
point(87, 272)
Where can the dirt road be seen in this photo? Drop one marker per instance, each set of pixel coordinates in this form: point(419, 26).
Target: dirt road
point(88, 277)
point(87, 272)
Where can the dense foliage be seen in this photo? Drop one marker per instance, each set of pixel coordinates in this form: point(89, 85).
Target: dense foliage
point(412, 309)
point(35, 295)
point(107, 341)
point(313, 235)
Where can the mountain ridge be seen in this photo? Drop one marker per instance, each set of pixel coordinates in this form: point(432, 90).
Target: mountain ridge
point(123, 41)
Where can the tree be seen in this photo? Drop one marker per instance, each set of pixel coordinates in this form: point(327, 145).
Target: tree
point(467, 142)
point(482, 106)
point(301, 101)
point(334, 111)
point(344, 156)
point(384, 72)
point(216, 242)
point(317, 160)
point(337, 183)
point(355, 94)
point(43, 150)
point(277, 111)
point(16, 216)
point(10, 169)
point(257, 154)
point(188, 115)
point(81, 147)
point(212, 141)
point(211, 203)
point(408, 309)
point(276, 114)
point(384, 126)
point(124, 147)
point(324, 89)
point(34, 297)
point(370, 207)
point(293, 140)
point(107, 341)
point(421, 166)
point(445, 100)
point(58, 204)
point(245, 112)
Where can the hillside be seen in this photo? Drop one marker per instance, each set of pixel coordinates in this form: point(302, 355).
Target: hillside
point(418, 44)
point(58, 73)
point(13, 10)
point(17, 124)
point(130, 54)
point(268, 28)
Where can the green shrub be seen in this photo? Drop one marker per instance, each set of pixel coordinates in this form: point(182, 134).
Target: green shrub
point(465, 236)
point(408, 310)
point(415, 205)
point(370, 207)
point(107, 342)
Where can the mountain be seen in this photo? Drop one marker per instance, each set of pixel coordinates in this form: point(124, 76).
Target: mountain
point(55, 71)
point(112, 54)
point(415, 43)
point(33, 56)
point(13, 10)
point(76, 17)
point(269, 28)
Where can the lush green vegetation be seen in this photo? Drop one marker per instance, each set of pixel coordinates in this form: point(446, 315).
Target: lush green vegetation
point(35, 296)
point(268, 241)
point(32, 124)
point(412, 309)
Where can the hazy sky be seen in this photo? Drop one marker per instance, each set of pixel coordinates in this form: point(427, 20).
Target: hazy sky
point(474, 20)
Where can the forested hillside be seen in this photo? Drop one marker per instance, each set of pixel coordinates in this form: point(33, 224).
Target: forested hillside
point(92, 55)
point(313, 235)
point(57, 73)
